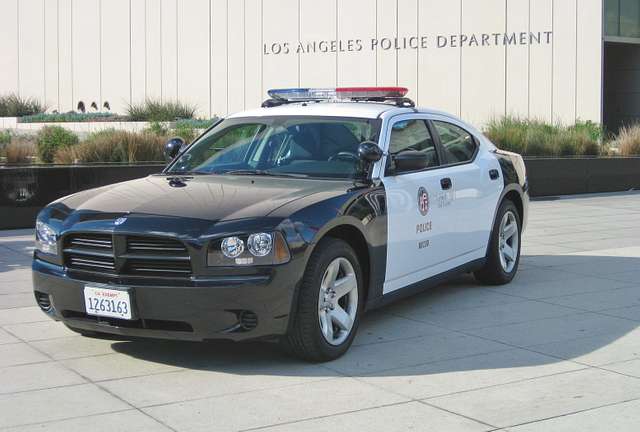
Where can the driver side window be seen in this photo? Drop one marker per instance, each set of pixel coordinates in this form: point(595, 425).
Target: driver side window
point(412, 135)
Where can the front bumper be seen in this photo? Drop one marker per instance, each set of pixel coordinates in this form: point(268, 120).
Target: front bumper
point(234, 308)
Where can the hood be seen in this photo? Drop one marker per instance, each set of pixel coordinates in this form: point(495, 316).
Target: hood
point(208, 197)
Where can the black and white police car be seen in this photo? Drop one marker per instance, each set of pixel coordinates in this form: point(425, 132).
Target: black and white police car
point(287, 222)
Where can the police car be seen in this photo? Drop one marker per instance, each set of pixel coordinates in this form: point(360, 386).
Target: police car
point(286, 222)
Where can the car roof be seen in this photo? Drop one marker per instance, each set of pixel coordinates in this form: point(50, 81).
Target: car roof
point(333, 109)
point(368, 110)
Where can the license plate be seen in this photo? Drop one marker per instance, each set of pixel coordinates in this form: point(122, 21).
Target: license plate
point(107, 302)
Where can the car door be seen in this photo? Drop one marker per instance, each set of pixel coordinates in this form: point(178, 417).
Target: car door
point(418, 229)
point(472, 198)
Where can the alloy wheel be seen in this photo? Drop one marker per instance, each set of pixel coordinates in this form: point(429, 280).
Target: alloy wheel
point(508, 241)
point(338, 301)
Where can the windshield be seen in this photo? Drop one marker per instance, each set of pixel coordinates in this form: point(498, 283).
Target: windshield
point(293, 146)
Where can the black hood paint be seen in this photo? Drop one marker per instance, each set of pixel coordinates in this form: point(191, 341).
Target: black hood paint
point(207, 197)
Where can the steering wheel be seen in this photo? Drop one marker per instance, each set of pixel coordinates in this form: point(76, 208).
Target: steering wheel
point(345, 156)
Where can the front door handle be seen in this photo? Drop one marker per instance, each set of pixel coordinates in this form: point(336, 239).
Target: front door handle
point(445, 183)
point(494, 174)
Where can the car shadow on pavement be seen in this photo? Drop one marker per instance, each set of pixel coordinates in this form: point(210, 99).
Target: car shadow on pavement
point(562, 307)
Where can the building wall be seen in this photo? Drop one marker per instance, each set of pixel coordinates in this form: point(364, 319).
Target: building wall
point(542, 58)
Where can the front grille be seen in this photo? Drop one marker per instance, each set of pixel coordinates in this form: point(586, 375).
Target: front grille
point(152, 245)
point(149, 324)
point(157, 256)
point(102, 242)
point(91, 252)
point(127, 255)
point(158, 268)
point(88, 262)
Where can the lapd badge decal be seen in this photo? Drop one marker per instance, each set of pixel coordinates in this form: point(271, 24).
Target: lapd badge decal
point(423, 201)
point(120, 221)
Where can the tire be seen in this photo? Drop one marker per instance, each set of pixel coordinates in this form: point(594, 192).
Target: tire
point(309, 337)
point(495, 272)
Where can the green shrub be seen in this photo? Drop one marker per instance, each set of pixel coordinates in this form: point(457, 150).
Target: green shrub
point(114, 146)
point(15, 106)
point(71, 116)
point(157, 128)
point(565, 144)
point(153, 110)
point(5, 139)
point(594, 131)
point(50, 139)
point(183, 130)
point(538, 143)
point(628, 141)
point(196, 123)
point(536, 138)
point(20, 150)
point(186, 132)
point(508, 133)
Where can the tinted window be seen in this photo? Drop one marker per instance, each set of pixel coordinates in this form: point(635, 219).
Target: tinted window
point(458, 144)
point(413, 135)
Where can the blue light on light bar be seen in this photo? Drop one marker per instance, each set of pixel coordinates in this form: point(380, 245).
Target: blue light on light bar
point(303, 93)
point(353, 93)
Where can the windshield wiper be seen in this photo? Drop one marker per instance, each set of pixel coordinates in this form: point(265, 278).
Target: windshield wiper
point(258, 172)
point(183, 173)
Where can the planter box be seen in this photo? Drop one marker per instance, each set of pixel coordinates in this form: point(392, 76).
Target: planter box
point(79, 127)
point(24, 190)
point(8, 122)
point(552, 177)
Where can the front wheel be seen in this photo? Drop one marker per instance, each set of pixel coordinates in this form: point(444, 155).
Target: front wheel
point(329, 304)
point(503, 255)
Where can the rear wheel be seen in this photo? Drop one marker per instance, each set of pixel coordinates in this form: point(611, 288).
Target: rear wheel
point(329, 304)
point(503, 255)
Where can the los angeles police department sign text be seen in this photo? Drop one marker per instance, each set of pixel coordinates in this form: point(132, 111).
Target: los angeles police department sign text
point(409, 42)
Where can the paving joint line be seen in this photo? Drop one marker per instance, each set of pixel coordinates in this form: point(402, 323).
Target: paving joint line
point(60, 420)
point(572, 413)
point(91, 382)
point(325, 416)
point(258, 390)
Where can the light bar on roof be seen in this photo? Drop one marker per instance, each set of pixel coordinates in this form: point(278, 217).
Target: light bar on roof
point(292, 94)
point(371, 92)
point(339, 93)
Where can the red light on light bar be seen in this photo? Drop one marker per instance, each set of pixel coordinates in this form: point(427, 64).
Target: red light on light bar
point(370, 92)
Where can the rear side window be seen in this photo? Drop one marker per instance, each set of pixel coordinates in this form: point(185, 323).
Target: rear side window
point(413, 135)
point(458, 144)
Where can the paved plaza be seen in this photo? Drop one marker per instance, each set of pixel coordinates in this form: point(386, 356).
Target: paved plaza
point(556, 350)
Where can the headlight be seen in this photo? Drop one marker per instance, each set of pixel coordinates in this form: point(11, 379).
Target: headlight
point(261, 249)
point(46, 239)
point(260, 244)
point(232, 247)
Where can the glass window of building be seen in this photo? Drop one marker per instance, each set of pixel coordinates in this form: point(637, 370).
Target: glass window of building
point(630, 18)
point(612, 17)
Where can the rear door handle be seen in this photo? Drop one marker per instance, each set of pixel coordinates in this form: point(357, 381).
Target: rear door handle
point(445, 183)
point(494, 174)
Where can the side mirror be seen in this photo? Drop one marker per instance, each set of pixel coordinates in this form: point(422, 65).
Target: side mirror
point(410, 160)
point(173, 147)
point(369, 152)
